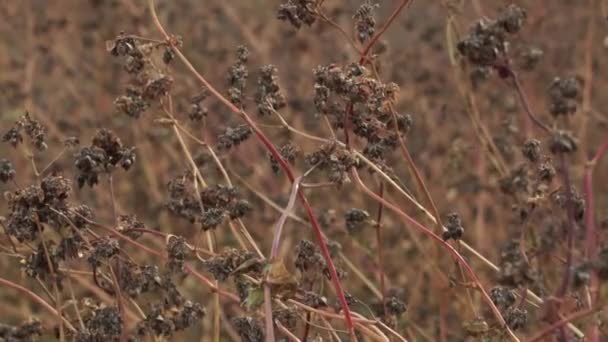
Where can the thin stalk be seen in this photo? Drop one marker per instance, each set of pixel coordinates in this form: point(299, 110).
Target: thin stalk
point(37, 299)
point(379, 245)
point(457, 257)
point(540, 336)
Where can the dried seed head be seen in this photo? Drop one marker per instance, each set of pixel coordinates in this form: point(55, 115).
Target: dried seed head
point(308, 257)
point(7, 171)
point(237, 76)
point(105, 153)
point(531, 150)
point(104, 248)
point(168, 55)
point(546, 172)
point(122, 45)
point(288, 152)
point(130, 226)
point(395, 306)
point(177, 251)
point(249, 329)
point(33, 129)
point(157, 87)
point(486, 42)
point(106, 324)
point(365, 23)
point(355, 219)
point(512, 19)
point(514, 269)
point(454, 227)
point(563, 94)
point(314, 300)
point(563, 142)
point(269, 96)
point(502, 297)
point(27, 331)
point(197, 110)
point(297, 12)
point(233, 136)
point(516, 318)
point(233, 262)
point(13, 136)
point(131, 104)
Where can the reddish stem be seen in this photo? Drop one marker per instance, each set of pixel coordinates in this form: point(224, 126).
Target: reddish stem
point(591, 242)
point(559, 324)
point(455, 255)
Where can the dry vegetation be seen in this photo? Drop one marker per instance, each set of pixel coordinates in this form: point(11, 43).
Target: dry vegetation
point(303, 170)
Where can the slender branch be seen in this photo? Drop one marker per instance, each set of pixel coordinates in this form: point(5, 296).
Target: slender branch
point(559, 324)
point(457, 257)
point(38, 300)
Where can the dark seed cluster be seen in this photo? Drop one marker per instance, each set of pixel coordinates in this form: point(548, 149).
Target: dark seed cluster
point(249, 329)
point(216, 203)
point(356, 219)
point(103, 249)
point(237, 76)
point(487, 42)
point(454, 227)
point(105, 153)
point(32, 207)
point(7, 171)
point(230, 262)
point(233, 136)
point(288, 152)
point(148, 81)
point(197, 110)
point(177, 251)
point(297, 12)
point(105, 324)
point(161, 321)
point(563, 94)
point(35, 131)
point(514, 269)
point(269, 96)
point(335, 160)
point(26, 331)
point(365, 23)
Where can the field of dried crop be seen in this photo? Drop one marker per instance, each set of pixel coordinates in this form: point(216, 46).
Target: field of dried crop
point(303, 170)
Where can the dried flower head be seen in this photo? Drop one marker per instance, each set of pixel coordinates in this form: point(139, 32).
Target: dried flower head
point(298, 12)
point(249, 329)
point(105, 153)
point(103, 249)
point(454, 227)
point(233, 136)
point(486, 43)
point(365, 23)
point(177, 251)
point(355, 219)
point(27, 331)
point(563, 142)
point(532, 150)
point(7, 171)
point(269, 96)
point(237, 76)
point(288, 152)
point(231, 262)
point(563, 94)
